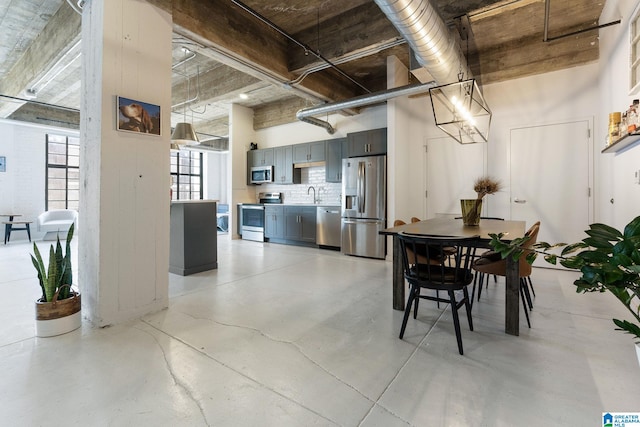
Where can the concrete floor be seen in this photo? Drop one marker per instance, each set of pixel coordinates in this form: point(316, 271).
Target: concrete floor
point(289, 336)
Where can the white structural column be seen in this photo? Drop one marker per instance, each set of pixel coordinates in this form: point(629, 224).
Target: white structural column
point(124, 212)
point(241, 134)
point(400, 194)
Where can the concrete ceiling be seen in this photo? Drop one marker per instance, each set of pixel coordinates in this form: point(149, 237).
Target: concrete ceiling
point(236, 53)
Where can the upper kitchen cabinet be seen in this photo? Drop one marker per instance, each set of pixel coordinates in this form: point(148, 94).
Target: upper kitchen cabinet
point(309, 152)
point(283, 172)
point(367, 143)
point(263, 157)
point(336, 151)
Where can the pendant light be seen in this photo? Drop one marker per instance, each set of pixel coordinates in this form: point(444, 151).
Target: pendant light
point(183, 133)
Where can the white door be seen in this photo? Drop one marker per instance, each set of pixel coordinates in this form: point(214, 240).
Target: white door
point(451, 169)
point(551, 180)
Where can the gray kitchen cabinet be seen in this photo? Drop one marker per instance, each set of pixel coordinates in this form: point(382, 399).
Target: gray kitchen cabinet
point(274, 222)
point(263, 157)
point(193, 237)
point(336, 151)
point(367, 143)
point(300, 223)
point(283, 171)
point(309, 152)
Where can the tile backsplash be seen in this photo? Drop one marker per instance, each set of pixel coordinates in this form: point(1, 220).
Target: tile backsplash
point(327, 192)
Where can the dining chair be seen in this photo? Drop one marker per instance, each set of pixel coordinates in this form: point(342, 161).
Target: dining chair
point(492, 263)
point(439, 277)
point(414, 219)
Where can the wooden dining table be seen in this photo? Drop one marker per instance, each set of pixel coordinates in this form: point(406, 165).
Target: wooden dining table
point(447, 226)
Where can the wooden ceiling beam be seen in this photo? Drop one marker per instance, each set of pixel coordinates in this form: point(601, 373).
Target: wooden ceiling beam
point(531, 56)
point(229, 30)
point(358, 31)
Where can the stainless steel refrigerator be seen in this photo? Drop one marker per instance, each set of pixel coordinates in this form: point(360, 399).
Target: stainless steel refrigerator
point(364, 201)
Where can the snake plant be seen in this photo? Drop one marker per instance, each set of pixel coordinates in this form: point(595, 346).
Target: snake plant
point(608, 260)
point(58, 272)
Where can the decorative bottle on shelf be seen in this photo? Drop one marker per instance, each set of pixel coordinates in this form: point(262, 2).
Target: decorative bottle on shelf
point(632, 117)
point(623, 126)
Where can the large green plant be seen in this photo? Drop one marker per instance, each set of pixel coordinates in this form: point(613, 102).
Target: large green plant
point(608, 260)
point(58, 272)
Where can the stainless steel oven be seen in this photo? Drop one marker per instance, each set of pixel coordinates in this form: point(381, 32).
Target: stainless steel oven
point(253, 222)
point(252, 216)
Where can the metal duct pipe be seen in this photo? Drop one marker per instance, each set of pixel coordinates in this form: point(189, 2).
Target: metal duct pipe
point(359, 101)
point(434, 45)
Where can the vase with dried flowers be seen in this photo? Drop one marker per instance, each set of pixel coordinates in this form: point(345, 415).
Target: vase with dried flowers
point(471, 208)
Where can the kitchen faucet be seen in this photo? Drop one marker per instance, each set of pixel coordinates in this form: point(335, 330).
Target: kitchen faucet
point(311, 187)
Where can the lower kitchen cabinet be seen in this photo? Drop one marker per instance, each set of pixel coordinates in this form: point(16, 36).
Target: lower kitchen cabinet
point(300, 223)
point(274, 222)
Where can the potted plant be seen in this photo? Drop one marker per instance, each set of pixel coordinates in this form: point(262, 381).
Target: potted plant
point(608, 260)
point(58, 309)
point(471, 208)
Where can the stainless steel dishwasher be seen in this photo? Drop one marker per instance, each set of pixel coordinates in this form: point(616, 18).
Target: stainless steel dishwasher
point(328, 226)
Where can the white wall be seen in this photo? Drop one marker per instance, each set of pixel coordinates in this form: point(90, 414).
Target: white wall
point(294, 133)
point(22, 186)
point(215, 171)
point(616, 171)
point(555, 97)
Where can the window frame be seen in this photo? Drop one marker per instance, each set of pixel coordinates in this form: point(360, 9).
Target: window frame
point(194, 179)
point(634, 50)
point(65, 166)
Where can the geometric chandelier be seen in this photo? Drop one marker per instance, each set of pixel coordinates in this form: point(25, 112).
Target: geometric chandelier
point(461, 111)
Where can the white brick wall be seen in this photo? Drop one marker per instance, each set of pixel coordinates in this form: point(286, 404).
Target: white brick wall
point(327, 192)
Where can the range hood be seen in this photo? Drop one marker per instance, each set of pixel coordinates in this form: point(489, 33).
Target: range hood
point(308, 165)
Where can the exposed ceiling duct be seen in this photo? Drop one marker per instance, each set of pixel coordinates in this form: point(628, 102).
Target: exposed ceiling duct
point(434, 46)
point(359, 101)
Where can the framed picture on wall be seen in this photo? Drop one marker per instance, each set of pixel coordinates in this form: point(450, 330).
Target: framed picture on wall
point(3, 164)
point(138, 116)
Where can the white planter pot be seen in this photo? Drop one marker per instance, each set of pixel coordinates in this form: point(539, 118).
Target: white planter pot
point(59, 316)
point(53, 327)
point(638, 352)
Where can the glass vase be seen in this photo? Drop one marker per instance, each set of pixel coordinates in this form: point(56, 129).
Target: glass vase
point(471, 209)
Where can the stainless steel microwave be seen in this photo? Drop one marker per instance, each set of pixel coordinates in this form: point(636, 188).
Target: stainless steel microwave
point(261, 174)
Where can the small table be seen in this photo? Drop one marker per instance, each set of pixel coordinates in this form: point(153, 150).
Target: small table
point(9, 226)
point(455, 227)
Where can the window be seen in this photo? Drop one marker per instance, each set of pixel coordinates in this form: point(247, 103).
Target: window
point(186, 175)
point(635, 52)
point(63, 172)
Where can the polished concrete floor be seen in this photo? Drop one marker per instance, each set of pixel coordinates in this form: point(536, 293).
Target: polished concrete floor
point(289, 336)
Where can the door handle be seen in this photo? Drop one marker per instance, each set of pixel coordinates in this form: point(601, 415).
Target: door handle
point(519, 201)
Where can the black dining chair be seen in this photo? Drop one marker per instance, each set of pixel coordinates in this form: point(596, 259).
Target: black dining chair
point(440, 277)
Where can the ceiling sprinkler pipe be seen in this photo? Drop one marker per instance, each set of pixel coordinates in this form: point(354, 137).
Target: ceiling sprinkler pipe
point(359, 101)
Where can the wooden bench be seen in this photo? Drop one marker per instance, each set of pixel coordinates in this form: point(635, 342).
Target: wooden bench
point(9, 226)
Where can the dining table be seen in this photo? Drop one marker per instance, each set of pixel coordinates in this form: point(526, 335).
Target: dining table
point(454, 227)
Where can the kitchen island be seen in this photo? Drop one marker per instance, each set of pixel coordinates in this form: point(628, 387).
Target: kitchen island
point(193, 237)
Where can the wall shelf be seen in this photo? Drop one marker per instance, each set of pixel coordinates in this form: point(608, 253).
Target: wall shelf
point(622, 143)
